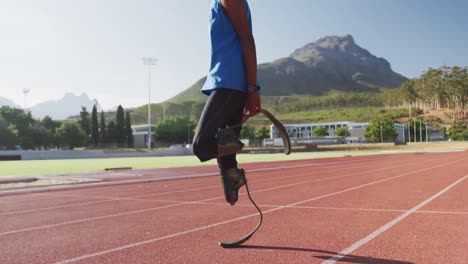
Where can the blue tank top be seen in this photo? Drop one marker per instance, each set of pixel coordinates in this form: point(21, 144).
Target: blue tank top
point(227, 68)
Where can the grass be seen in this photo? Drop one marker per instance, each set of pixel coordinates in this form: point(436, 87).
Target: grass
point(44, 167)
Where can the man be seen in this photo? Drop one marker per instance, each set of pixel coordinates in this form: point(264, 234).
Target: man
point(233, 92)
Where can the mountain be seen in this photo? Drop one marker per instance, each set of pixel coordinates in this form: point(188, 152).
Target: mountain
point(192, 93)
point(7, 102)
point(69, 105)
point(334, 63)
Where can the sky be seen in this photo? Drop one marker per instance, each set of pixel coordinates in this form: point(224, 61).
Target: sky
point(53, 47)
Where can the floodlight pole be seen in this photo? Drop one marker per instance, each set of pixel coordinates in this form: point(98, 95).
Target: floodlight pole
point(149, 62)
point(25, 92)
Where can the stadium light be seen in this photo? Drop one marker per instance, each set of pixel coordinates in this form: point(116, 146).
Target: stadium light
point(148, 61)
point(25, 92)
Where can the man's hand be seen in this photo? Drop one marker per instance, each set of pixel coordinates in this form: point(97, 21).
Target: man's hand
point(254, 104)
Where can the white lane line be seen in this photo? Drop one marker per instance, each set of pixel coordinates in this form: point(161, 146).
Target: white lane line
point(243, 217)
point(56, 207)
point(180, 204)
point(379, 231)
point(132, 198)
point(320, 207)
point(40, 196)
point(294, 207)
point(217, 186)
point(166, 206)
point(189, 176)
point(441, 212)
point(269, 179)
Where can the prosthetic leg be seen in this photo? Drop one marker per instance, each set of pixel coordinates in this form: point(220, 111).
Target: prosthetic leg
point(234, 179)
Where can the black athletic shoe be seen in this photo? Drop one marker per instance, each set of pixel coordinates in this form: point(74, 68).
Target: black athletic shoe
point(233, 180)
point(228, 143)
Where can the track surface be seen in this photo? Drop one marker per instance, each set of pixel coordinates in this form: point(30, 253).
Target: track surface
point(392, 209)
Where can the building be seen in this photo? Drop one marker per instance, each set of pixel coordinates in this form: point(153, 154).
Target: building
point(140, 136)
point(303, 133)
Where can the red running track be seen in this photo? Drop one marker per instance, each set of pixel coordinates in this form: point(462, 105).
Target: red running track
point(391, 209)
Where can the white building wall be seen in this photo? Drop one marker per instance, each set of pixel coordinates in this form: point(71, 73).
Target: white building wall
point(357, 131)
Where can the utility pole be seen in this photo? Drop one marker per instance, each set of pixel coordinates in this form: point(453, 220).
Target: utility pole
point(404, 133)
point(149, 62)
point(420, 131)
point(188, 133)
point(381, 133)
point(427, 138)
point(409, 131)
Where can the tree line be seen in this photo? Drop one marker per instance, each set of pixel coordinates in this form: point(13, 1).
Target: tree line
point(442, 88)
point(19, 130)
point(98, 132)
point(254, 135)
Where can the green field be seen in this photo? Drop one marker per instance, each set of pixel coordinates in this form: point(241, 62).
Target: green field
point(44, 167)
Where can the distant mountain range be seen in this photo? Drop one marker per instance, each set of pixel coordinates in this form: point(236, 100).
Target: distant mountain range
point(69, 105)
point(7, 102)
point(334, 63)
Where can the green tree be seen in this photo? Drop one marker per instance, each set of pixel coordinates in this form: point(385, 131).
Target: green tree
point(94, 127)
point(128, 128)
point(342, 132)
point(8, 139)
point(120, 129)
point(262, 133)
point(174, 130)
point(320, 131)
point(17, 117)
point(381, 130)
point(41, 137)
point(111, 132)
point(247, 132)
point(103, 129)
point(51, 124)
point(458, 131)
point(85, 122)
point(72, 135)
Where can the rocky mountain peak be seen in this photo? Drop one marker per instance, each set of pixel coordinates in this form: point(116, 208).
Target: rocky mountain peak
point(330, 63)
point(336, 42)
point(330, 46)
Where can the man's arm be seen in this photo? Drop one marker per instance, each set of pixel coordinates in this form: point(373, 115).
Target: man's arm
point(237, 12)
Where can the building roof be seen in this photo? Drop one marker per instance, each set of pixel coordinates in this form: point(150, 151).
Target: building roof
point(142, 128)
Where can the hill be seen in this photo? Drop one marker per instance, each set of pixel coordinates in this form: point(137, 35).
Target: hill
point(334, 63)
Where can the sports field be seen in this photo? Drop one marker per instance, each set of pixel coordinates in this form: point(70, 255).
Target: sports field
point(46, 167)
